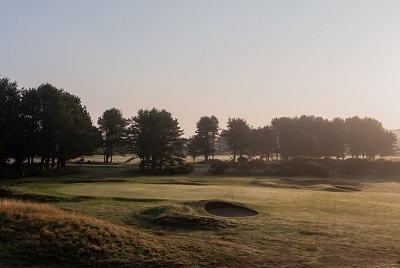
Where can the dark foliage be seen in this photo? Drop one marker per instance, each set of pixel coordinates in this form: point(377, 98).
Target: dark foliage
point(312, 167)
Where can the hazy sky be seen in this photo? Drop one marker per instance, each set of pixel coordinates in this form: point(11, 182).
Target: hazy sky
point(251, 59)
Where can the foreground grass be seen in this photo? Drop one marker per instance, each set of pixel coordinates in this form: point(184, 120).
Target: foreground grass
point(303, 222)
point(37, 234)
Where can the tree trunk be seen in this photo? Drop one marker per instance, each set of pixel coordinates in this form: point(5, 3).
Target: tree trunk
point(47, 163)
point(41, 163)
point(111, 153)
point(63, 160)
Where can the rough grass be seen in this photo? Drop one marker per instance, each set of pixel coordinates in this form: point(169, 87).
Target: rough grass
point(179, 216)
point(303, 222)
point(38, 234)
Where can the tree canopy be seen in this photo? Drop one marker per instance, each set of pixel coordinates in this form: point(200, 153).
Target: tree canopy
point(207, 129)
point(157, 139)
point(238, 136)
point(112, 126)
point(44, 122)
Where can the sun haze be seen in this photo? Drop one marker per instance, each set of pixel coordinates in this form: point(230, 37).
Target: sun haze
point(251, 59)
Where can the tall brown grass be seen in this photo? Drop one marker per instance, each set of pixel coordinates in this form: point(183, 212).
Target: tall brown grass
point(39, 234)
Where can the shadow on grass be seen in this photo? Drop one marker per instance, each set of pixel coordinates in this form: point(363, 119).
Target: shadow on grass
point(144, 200)
point(179, 217)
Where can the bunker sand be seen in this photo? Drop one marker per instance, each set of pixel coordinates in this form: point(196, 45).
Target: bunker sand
point(225, 209)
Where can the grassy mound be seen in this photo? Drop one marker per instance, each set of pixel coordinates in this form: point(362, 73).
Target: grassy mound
point(38, 234)
point(180, 216)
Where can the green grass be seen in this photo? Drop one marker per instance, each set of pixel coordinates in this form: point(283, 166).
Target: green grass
point(302, 222)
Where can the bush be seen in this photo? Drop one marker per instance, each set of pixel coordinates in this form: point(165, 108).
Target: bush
point(315, 170)
point(218, 169)
point(286, 171)
point(305, 166)
point(186, 169)
point(356, 166)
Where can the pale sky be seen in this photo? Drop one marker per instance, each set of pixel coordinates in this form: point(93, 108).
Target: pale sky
point(251, 59)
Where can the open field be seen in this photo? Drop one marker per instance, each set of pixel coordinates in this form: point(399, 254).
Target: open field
point(302, 222)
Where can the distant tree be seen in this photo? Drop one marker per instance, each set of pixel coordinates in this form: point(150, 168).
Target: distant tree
point(30, 118)
point(65, 127)
point(355, 136)
point(50, 111)
point(112, 126)
point(157, 139)
point(238, 136)
point(284, 129)
point(307, 144)
point(77, 134)
point(337, 138)
point(262, 142)
point(206, 135)
point(9, 118)
point(221, 145)
point(388, 145)
point(192, 147)
point(378, 140)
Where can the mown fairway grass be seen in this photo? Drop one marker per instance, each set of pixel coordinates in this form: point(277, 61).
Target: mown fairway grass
point(302, 222)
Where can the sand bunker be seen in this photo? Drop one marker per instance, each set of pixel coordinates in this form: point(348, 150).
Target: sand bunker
point(225, 209)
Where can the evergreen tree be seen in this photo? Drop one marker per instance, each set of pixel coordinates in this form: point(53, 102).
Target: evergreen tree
point(206, 135)
point(157, 139)
point(9, 119)
point(112, 126)
point(238, 136)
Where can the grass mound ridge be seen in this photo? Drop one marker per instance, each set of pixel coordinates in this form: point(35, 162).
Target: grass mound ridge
point(180, 216)
point(38, 234)
point(6, 192)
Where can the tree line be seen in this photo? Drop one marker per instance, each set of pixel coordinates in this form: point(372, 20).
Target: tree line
point(44, 122)
point(50, 124)
point(310, 136)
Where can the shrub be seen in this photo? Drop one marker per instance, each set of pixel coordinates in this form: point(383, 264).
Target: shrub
point(315, 170)
point(286, 171)
point(218, 169)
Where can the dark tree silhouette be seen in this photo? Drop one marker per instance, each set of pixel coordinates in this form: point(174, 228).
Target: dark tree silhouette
point(157, 139)
point(206, 135)
point(355, 136)
point(112, 126)
point(30, 119)
point(77, 135)
point(284, 130)
point(238, 136)
point(336, 136)
point(262, 142)
point(65, 127)
point(388, 144)
point(192, 147)
point(9, 119)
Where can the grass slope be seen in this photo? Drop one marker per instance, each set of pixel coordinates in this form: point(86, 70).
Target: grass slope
point(37, 234)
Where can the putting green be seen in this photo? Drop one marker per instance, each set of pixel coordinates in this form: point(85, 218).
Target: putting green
point(304, 204)
point(178, 192)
